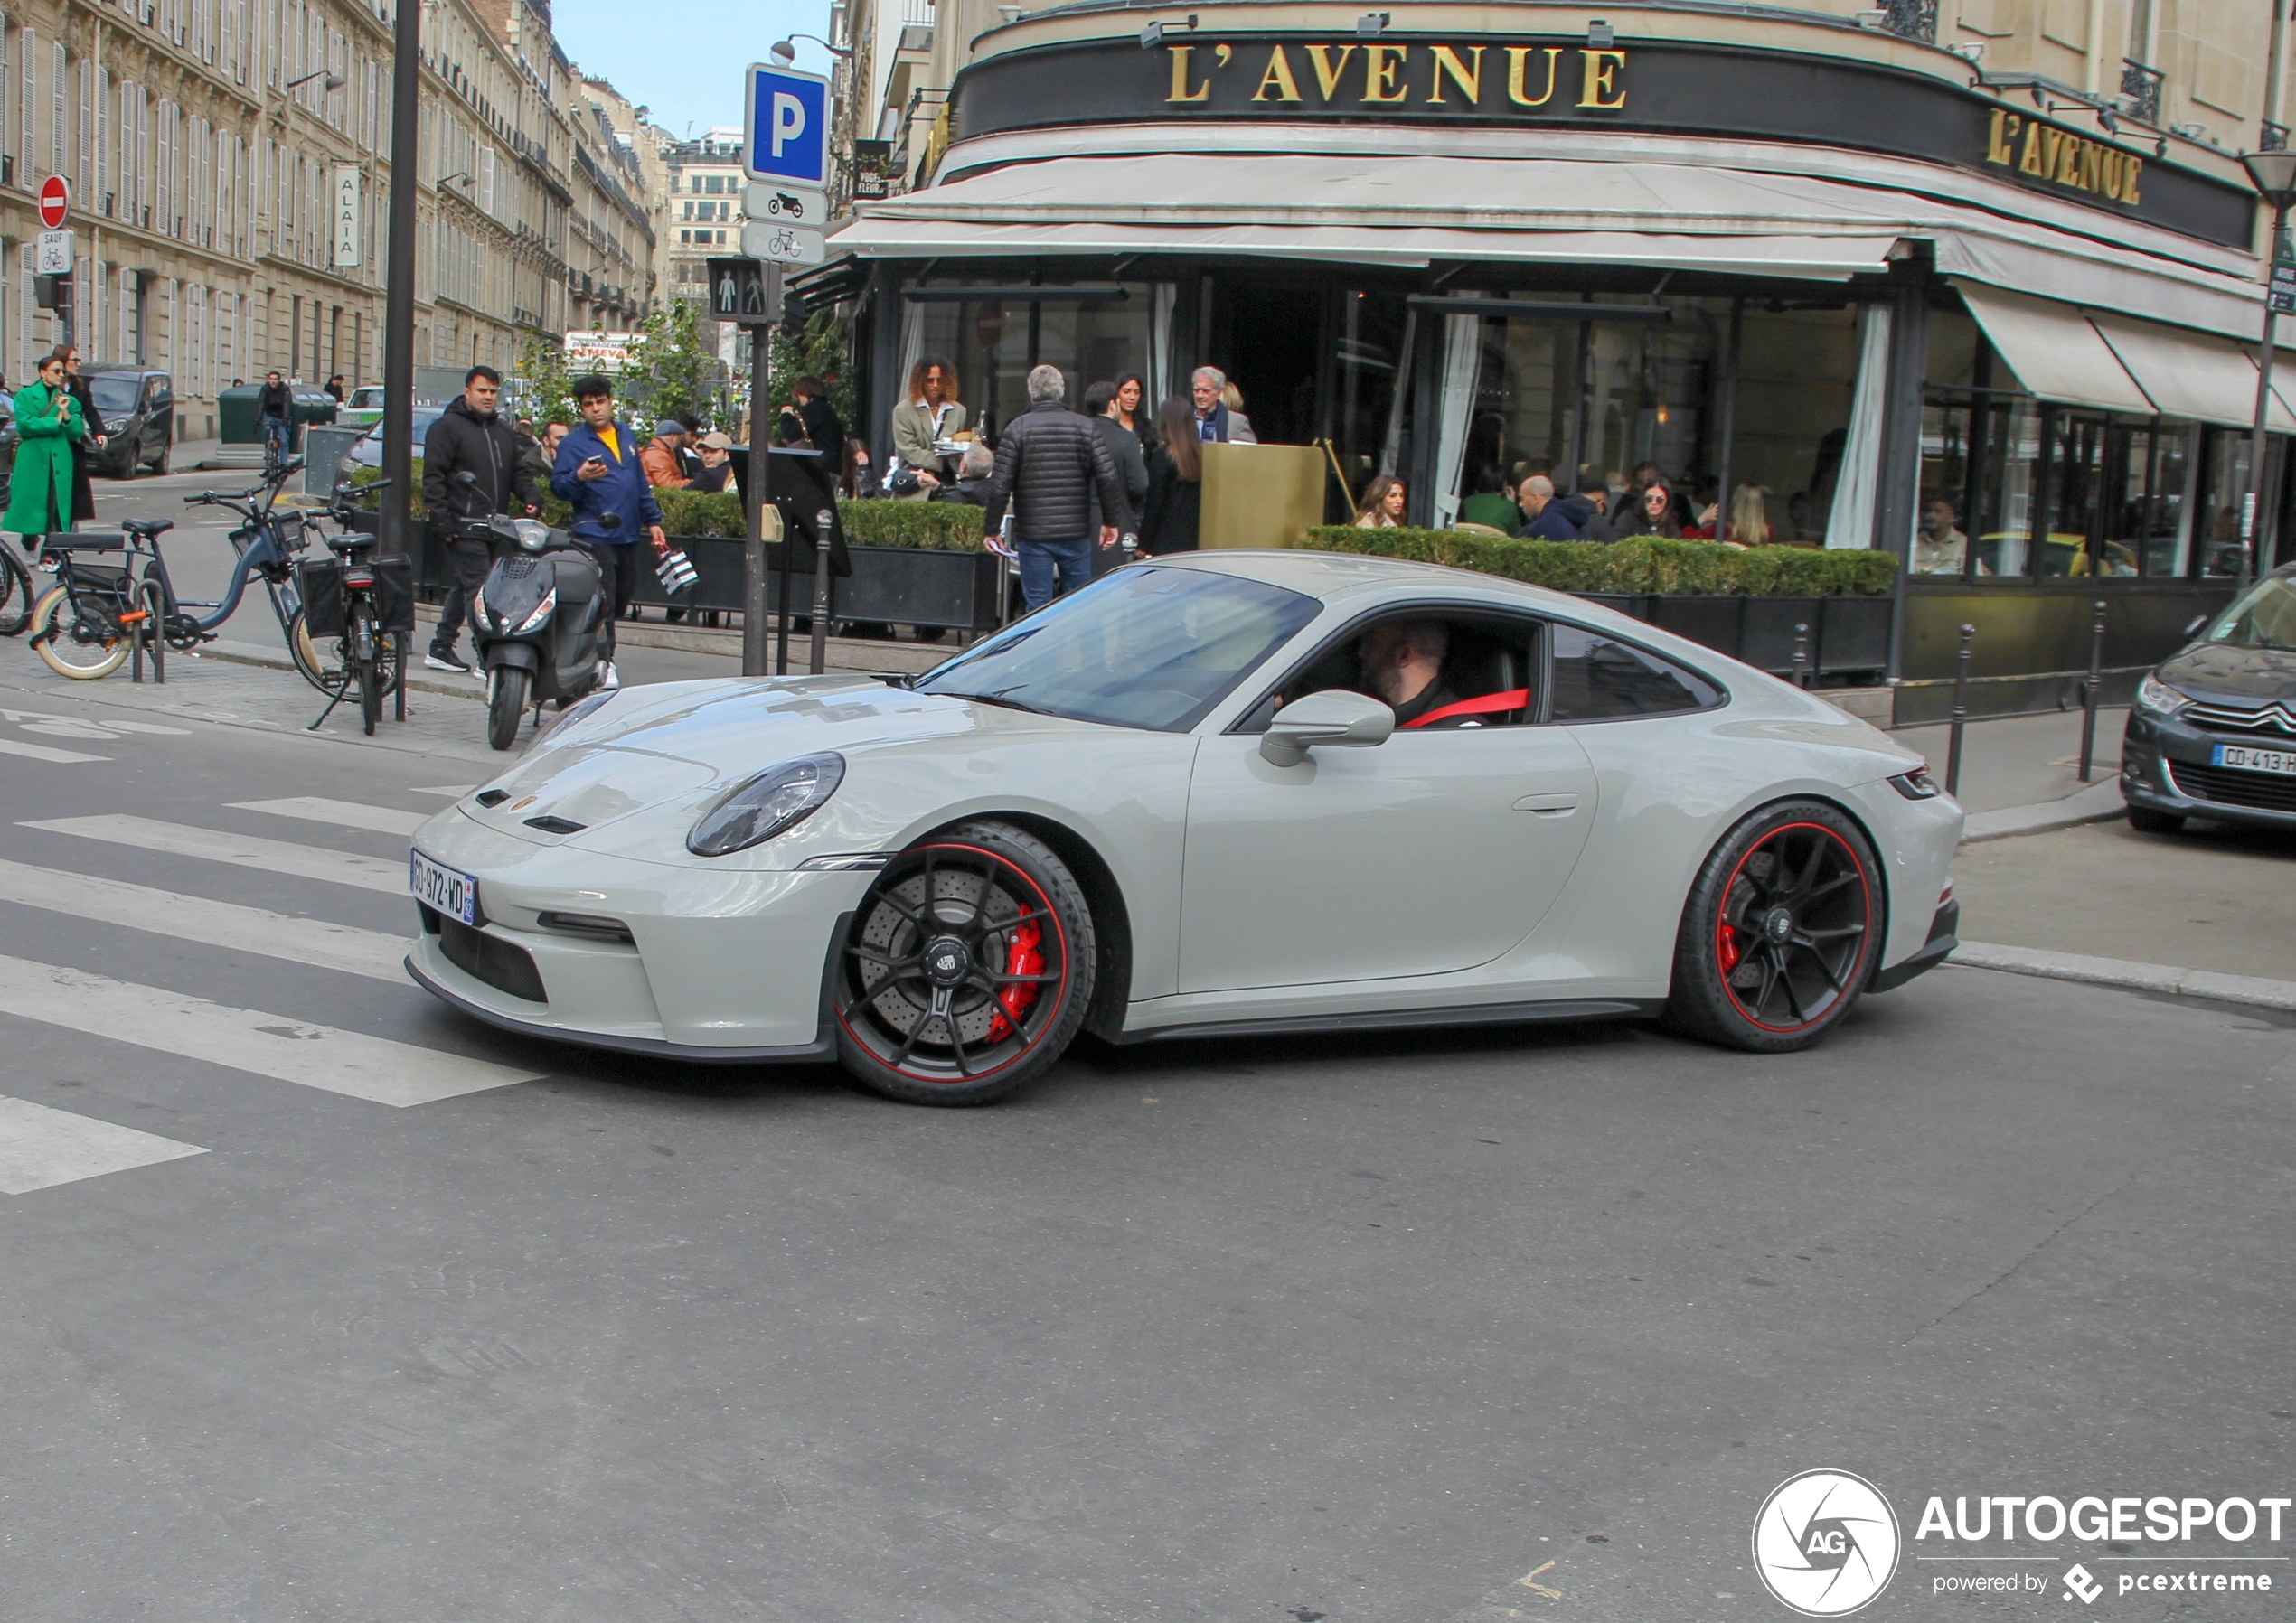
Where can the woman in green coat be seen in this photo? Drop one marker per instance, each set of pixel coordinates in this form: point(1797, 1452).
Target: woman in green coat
point(48, 421)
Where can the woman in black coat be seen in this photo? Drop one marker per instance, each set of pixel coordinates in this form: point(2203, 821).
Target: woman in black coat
point(1175, 482)
point(83, 494)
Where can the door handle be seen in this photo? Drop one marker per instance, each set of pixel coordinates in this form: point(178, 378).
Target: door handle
point(1548, 806)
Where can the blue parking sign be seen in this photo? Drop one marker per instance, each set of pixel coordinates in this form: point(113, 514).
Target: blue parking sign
point(786, 136)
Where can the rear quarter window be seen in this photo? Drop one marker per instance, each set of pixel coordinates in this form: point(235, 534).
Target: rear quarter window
point(1598, 677)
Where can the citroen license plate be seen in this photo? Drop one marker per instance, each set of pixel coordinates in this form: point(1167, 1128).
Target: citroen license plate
point(2240, 756)
point(443, 889)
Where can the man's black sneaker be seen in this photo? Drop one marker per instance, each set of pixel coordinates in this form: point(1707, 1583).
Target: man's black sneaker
point(446, 660)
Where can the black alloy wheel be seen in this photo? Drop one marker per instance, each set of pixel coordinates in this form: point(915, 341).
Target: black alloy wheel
point(1781, 931)
point(967, 969)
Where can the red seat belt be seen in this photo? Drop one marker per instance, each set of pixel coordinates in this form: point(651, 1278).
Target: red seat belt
point(1489, 704)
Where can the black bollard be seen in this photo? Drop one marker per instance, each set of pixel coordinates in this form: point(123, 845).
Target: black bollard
point(822, 522)
point(1961, 713)
point(1802, 653)
point(2096, 686)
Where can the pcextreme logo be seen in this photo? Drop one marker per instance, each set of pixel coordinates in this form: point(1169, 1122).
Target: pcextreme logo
point(1826, 1543)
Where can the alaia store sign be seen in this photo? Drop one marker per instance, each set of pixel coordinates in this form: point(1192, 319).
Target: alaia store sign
point(348, 226)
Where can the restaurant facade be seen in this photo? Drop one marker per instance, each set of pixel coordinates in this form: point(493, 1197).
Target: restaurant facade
point(2000, 327)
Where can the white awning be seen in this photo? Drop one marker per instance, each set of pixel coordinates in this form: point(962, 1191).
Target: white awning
point(2192, 375)
point(2054, 351)
point(1523, 196)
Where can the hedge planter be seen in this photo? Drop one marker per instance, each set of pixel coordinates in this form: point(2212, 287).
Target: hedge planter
point(1854, 634)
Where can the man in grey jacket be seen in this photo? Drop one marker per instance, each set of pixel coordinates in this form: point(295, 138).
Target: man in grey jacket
point(1049, 463)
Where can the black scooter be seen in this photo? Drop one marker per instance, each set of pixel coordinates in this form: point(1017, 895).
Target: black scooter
point(536, 623)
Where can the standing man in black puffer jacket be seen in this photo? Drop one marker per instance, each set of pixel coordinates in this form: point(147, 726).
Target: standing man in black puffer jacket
point(471, 435)
point(1048, 464)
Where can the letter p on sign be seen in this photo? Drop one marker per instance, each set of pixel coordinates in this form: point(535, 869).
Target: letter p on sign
point(787, 127)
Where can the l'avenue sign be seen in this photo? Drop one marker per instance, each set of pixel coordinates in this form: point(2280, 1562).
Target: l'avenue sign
point(1659, 86)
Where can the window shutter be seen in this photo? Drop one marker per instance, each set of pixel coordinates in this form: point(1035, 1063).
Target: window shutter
point(56, 71)
point(103, 141)
point(31, 98)
point(163, 193)
point(83, 172)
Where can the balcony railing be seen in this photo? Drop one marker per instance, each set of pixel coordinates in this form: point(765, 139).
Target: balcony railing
point(2272, 138)
point(2141, 90)
point(1910, 19)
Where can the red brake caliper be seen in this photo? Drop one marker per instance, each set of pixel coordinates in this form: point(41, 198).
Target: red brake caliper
point(1020, 959)
point(1727, 945)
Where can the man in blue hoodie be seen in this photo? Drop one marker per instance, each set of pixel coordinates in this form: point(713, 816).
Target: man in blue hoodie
point(597, 471)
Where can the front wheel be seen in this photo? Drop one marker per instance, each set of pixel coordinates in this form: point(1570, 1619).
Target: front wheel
point(75, 646)
point(505, 705)
point(1780, 932)
point(967, 969)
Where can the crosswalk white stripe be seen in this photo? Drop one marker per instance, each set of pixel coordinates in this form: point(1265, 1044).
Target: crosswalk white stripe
point(348, 1063)
point(242, 850)
point(41, 1148)
point(211, 924)
point(42, 752)
point(341, 815)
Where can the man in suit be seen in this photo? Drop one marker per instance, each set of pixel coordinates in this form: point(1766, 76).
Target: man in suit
point(1214, 421)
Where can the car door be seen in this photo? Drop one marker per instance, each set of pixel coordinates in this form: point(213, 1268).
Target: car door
point(1436, 851)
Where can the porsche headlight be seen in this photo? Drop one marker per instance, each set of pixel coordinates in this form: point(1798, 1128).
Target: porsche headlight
point(2160, 697)
point(772, 803)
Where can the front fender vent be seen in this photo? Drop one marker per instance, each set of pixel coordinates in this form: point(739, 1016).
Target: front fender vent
point(550, 823)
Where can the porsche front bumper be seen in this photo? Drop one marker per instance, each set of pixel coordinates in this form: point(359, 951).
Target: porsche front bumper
point(713, 964)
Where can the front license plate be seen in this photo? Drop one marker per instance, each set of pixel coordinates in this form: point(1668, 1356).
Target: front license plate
point(2280, 762)
point(442, 888)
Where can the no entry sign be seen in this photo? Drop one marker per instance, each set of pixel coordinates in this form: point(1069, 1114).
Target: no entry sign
point(55, 201)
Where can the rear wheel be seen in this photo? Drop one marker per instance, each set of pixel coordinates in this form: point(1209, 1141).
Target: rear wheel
point(967, 970)
point(2146, 822)
point(367, 672)
point(75, 646)
point(505, 705)
point(1779, 935)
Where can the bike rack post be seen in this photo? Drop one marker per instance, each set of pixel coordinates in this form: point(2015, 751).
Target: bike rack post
point(823, 523)
point(2093, 686)
point(1961, 712)
point(1802, 653)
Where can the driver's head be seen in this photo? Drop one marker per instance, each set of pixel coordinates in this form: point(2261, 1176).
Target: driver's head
point(481, 387)
point(1402, 658)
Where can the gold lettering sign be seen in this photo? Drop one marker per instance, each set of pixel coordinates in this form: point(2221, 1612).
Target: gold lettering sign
point(1454, 77)
point(2062, 157)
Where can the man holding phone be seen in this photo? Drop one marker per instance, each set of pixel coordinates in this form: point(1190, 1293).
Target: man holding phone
point(597, 471)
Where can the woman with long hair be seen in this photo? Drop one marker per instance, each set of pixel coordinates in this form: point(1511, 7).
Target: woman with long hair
point(1129, 411)
point(1382, 504)
point(48, 420)
point(930, 412)
point(1175, 506)
point(1652, 514)
point(1750, 516)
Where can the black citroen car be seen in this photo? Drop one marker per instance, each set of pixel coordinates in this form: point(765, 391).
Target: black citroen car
point(2212, 731)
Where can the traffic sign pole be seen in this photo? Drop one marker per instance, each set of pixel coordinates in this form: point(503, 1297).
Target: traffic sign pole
point(760, 480)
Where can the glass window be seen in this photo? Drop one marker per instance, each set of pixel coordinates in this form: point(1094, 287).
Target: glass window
point(1145, 647)
point(1476, 657)
point(2225, 486)
point(1599, 678)
point(2162, 540)
point(1796, 371)
point(2002, 491)
point(2263, 616)
point(1941, 544)
point(992, 342)
point(1370, 340)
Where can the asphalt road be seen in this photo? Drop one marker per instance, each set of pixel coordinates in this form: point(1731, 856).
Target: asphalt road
point(1359, 1330)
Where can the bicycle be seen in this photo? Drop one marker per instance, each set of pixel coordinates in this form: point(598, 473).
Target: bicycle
point(367, 606)
point(17, 592)
point(86, 641)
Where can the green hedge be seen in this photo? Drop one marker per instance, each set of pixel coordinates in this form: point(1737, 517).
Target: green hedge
point(934, 526)
point(1645, 564)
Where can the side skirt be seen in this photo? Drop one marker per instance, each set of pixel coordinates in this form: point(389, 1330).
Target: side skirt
point(1409, 1019)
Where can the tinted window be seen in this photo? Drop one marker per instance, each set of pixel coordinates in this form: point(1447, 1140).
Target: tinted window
point(1598, 678)
point(1145, 647)
point(113, 392)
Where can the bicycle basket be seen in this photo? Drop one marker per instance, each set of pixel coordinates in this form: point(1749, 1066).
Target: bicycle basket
point(321, 580)
point(395, 595)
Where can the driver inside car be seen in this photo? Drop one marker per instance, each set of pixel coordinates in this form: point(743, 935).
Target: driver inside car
point(1402, 663)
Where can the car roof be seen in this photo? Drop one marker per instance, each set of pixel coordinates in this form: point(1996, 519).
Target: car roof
point(1334, 576)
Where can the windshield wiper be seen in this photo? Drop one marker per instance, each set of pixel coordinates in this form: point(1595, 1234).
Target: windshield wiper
point(1001, 701)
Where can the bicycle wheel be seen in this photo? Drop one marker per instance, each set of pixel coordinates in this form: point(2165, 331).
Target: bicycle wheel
point(15, 592)
point(367, 672)
point(328, 672)
point(82, 653)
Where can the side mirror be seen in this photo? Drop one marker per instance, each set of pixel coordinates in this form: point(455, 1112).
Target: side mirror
point(465, 478)
point(1334, 717)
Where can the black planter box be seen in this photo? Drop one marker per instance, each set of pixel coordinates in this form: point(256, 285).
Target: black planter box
point(1717, 622)
point(1767, 640)
point(1854, 634)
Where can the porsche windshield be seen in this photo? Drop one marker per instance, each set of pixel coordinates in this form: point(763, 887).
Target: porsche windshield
point(1145, 647)
point(2264, 618)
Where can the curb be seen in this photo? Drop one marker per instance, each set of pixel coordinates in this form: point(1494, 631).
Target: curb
point(2127, 975)
point(2099, 802)
point(242, 654)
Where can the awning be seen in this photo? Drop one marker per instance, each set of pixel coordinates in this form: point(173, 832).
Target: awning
point(2195, 375)
point(1523, 196)
point(2054, 351)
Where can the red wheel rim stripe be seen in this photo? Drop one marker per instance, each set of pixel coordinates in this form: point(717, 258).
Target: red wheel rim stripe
point(1865, 941)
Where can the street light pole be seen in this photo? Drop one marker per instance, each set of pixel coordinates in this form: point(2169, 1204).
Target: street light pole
point(398, 285)
point(2274, 175)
